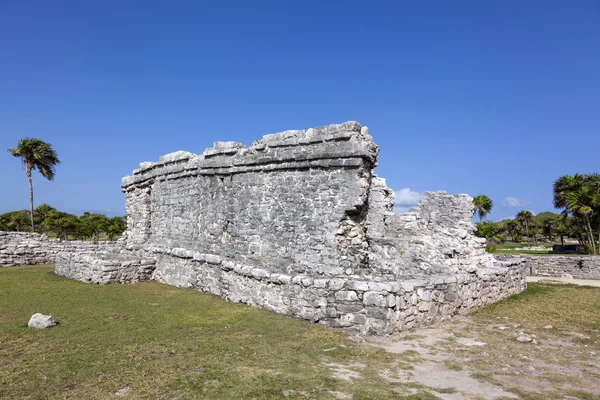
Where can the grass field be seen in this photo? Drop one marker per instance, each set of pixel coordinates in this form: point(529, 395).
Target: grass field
point(161, 342)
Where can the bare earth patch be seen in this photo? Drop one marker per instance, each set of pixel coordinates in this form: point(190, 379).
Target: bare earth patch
point(478, 357)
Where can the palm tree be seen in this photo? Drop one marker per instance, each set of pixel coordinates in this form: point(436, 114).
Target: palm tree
point(580, 195)
point(584, 201)
point(525, 217)
point(35, 154)
point(483, 205)
point(563, 186)
point(513, 228)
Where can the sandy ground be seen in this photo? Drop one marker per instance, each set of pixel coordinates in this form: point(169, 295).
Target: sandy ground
point(477, 358)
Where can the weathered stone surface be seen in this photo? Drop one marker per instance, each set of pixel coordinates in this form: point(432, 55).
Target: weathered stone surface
point(104, 267)
point(299, 224)
point(41, 321)
point(556, 266)
point(26, 248)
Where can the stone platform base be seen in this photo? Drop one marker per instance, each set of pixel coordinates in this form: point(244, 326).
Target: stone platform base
point(103, 267)
point(362, 303)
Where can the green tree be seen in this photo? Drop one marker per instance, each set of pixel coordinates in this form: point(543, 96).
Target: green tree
point(42, 213)
point(483, 205)
point(547, 222)
point(513, 229)
point(115, 227)
point(525, 218)
point(579, 195)
point(35, 154)
point(14, 221)
point(490, 230)
point(61, 224)
point(92, 224)
point(585, 201)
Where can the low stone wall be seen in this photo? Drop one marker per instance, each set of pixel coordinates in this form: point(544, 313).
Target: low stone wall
point(368, 304)
point(26, 248)
point(585, 267)
point(103, 267)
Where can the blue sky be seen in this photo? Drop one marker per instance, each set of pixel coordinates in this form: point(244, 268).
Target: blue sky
point(470, 97)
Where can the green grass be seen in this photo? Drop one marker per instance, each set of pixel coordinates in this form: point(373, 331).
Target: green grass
point(510, 248)
point(165, 342)
point(513, 245)
point(564, 306)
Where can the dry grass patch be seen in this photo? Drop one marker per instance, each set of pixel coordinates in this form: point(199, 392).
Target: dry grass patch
point(562, 306)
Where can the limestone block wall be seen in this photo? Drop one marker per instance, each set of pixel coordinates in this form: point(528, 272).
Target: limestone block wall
point(103, 267)
point(584, 267)
point(365, 303)
point(27, 248)
point(293, 202)
point(299, 224)
point(436, 236)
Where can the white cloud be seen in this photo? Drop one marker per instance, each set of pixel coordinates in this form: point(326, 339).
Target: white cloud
point(404, 199)
point(514, 202)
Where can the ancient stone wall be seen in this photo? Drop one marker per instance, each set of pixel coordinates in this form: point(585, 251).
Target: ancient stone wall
point(293, 202)
point(299, 224)
point(103, 266)
point(584, 267)
point(26, 248)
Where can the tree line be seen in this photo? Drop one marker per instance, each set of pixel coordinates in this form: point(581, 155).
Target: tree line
point(62, 225)
point(578, 196)
point(35, 154)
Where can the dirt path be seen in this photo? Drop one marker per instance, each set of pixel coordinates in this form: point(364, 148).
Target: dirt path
point(477, 358)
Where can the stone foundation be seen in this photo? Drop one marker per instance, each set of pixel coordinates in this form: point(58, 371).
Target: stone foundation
point(299, 224)
point(103, 267)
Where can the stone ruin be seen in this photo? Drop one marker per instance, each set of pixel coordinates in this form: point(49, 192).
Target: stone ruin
point(299, 224)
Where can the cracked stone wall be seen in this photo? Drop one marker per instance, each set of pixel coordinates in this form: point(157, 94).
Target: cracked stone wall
point(293, 202)
point(298, 223)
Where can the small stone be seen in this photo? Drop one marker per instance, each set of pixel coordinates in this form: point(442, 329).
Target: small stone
point(548, 327)
point(123, 392)
point(41, 321)
point(524, 339)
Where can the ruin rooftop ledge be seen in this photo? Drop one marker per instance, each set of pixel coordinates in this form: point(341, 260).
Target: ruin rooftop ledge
point(290, 138)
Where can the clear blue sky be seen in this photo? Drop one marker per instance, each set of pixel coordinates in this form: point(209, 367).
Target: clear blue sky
point(470, 97)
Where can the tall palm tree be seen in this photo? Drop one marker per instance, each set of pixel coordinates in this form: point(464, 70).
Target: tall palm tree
point(585, 201)
point(525, 217)
point(563, 186)
point(579, 195)
point(35, 154)
point(483, 205)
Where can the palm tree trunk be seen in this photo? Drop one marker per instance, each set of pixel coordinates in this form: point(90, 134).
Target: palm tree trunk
point(30, 198)
point(590, 234)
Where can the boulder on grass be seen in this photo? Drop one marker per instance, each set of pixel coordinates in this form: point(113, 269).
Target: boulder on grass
point(41, 321)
